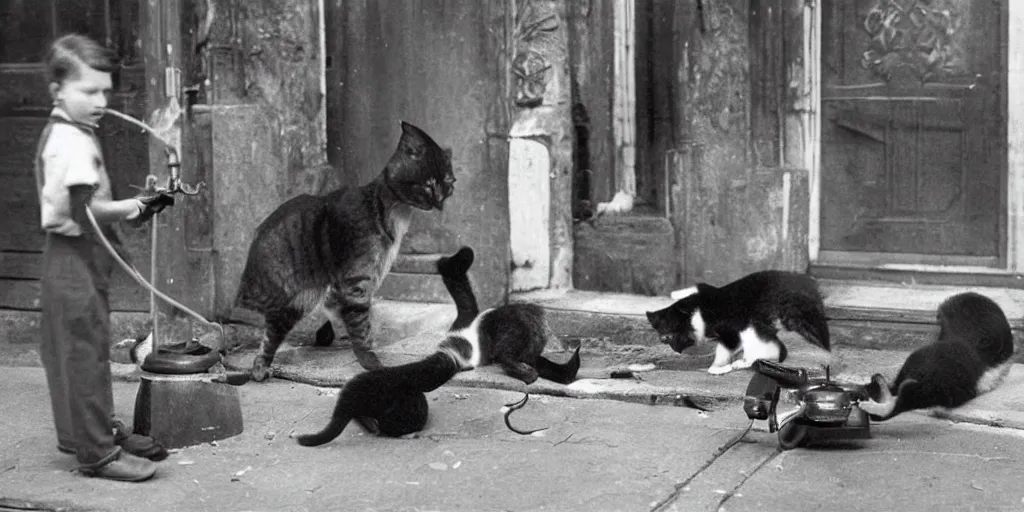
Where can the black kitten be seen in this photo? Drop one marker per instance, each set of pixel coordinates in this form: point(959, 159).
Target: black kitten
point(970, 357)
point(393, 398)
point(333, 251)
point(391, 401)
point(746, 315)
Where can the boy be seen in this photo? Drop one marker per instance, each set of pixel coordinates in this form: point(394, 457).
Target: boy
point(70, 177)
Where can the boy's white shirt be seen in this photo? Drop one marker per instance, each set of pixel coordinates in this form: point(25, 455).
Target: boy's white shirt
point(70, 157)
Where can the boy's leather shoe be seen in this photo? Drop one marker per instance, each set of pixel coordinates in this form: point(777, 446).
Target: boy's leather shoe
point(126, 468)
point(135, 444)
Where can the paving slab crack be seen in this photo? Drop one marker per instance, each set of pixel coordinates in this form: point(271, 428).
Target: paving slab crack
point(680, 487)
point(728, 495)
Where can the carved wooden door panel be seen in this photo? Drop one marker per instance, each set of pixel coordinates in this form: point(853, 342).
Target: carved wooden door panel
point(26, 29)
point(913, 132)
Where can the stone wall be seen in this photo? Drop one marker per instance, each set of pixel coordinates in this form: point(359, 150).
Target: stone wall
point(259, 123)
point(282, 65)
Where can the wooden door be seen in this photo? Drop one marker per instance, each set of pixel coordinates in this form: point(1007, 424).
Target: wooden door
point(438, 65)
point(26, 29)
point(913, 132)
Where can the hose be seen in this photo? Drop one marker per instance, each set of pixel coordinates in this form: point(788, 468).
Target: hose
point(137, 276)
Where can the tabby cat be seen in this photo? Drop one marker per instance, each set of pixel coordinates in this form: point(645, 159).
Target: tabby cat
point(970, 357)
point(333, 251)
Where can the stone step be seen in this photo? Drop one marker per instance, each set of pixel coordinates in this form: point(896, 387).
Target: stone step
point(392, 320)
point(861, 314)
point(869, 315)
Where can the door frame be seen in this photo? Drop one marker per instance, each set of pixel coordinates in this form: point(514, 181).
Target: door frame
point(810, 137)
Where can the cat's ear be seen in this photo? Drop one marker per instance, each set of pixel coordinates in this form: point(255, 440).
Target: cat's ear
point(414, 141)
point(704, 289)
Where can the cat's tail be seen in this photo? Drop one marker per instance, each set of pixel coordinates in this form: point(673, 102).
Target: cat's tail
point(334, 428)
point(563, 373)
point(806, 317)
point(454, 273)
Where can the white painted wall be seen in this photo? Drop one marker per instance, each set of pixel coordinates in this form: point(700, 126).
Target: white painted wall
point(529, 201)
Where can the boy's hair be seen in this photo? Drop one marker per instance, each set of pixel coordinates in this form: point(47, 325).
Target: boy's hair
point(67, 53)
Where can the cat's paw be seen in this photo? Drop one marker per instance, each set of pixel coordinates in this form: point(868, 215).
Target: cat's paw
point(260, 370)
point(529, 377)
point(874, 389)
point(368, 359)
point(740, 364)
point(720, 370)
point(457, 264)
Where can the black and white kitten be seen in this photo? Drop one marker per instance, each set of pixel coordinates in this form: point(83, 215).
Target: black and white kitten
point(970, 357)
point(393, 398)
point(746, 315)
point(512, 335)
point(333, 251)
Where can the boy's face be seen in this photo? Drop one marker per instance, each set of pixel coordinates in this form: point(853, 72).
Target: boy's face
point(83, 96)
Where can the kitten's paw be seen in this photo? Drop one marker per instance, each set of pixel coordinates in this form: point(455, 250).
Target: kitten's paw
point(370, 425)
point(878, 388)
point(529, 377)
point(457, 264)
point(260, 370)
point(368, 359)
point(740, 364)
point(720, 370)
point(874, 409)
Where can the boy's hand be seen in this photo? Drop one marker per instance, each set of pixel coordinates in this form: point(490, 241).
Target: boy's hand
point(152, 205)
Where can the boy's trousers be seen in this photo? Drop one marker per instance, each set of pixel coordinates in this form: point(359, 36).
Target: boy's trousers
point(75, 348)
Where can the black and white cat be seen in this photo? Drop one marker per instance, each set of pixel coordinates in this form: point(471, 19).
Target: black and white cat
point(333, 251)
point(393, 398)
point(512, 335)
point(746, 315)
point(970, 357)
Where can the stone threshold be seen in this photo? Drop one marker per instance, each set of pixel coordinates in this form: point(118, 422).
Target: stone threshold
point(867, 314)
point(908, 303)
point(875, 315)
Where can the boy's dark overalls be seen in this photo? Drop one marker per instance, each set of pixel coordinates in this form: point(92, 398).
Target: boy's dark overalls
point(75, 348)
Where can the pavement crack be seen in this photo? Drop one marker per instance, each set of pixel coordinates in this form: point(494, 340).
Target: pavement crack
point(746, 477)
point(661, 505)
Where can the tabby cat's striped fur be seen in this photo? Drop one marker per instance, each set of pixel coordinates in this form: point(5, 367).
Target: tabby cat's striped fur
point(334, 250)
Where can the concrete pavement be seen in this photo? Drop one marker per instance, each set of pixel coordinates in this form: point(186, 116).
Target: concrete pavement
point(607, 447)
point(597, 455)
point(673, 376)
